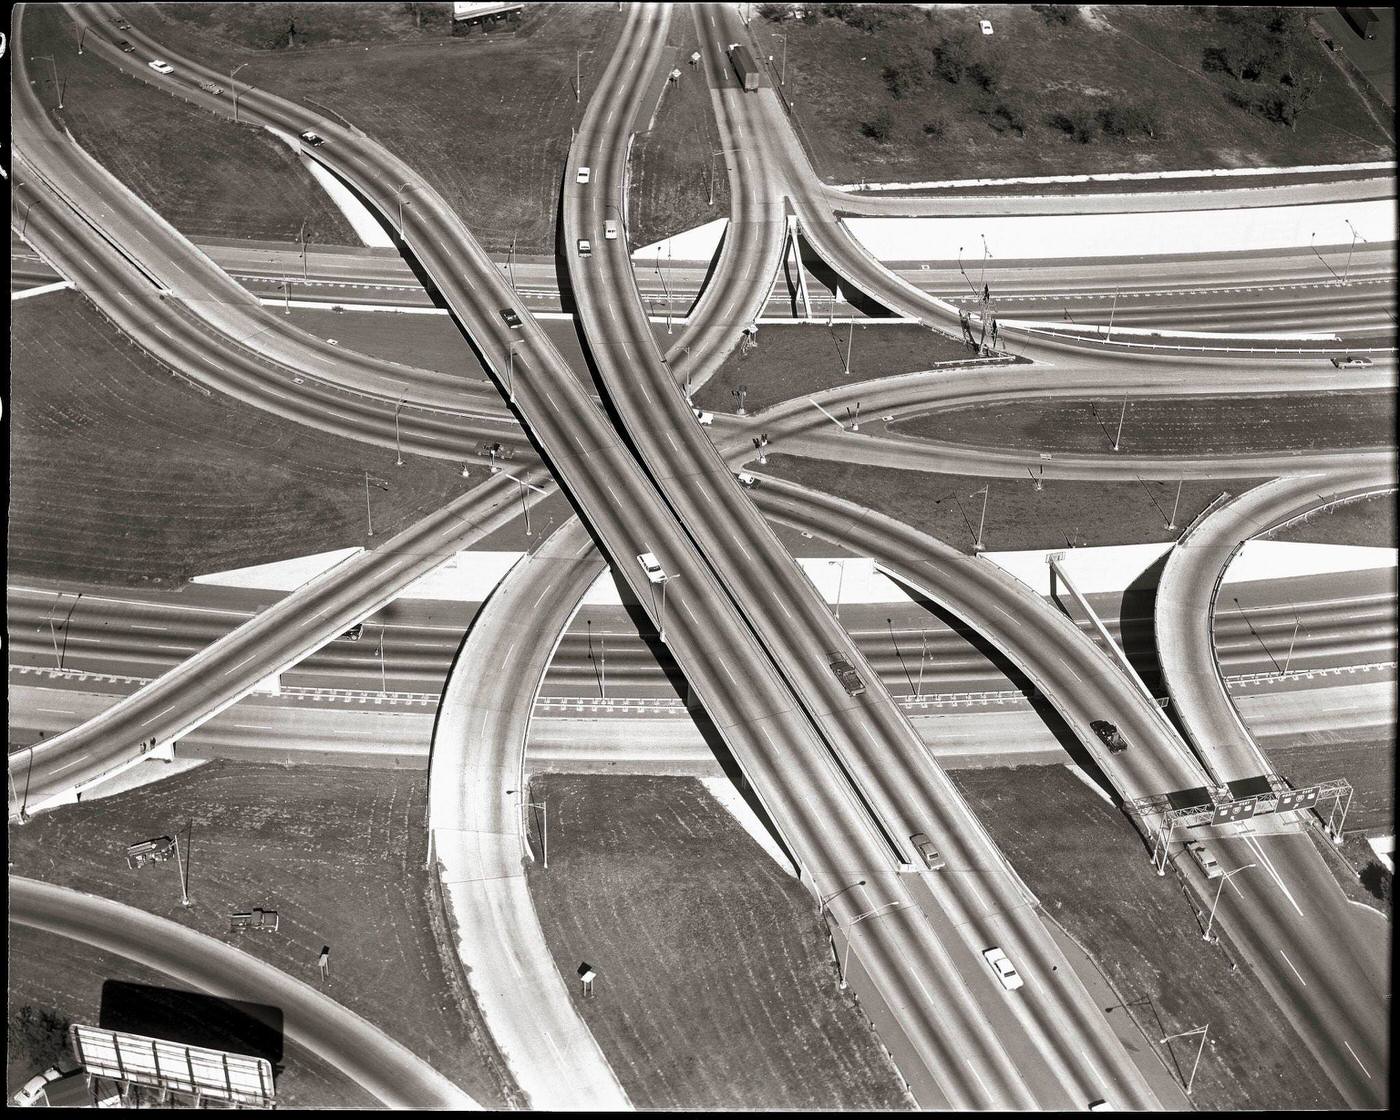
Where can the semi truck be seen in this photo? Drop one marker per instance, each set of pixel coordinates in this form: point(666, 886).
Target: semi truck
point(744, 65)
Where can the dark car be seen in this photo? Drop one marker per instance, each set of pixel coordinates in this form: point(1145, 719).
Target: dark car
point(511, 318)
point(846, 674)
point(127, 45)
point(1110, 735)
point(354, 633)
point(312, 139)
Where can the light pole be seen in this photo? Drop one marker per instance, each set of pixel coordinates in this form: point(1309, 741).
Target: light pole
point(399, 195)
point(524, 498)
point(510, 261)
point(661, 616)
point(1202, 1031)
point(543, 807)
point(1112, 312)
point(301, 236)
point(82, 31)
point(782, 78)
point(510, 370)
point(1289, 659)
point(369, 521)
point(1206, 935)
point(398, 450)
point(923, 656)
point(180, 867)
point(986, 493)
point(1354, 235)
point(846, 957)
point(665, 288)
point(1171, 523)
point(714, 156)
point(286, 296)
point(850, 341)
point(1312, 243)
point(1121, 417)
point(822, 905)
point(983, 279)
point(965, 276)
point(840, 582)
point(383, 673)
point(602, 663)
point(233, 86)
point(578, 76)
point(54, 66)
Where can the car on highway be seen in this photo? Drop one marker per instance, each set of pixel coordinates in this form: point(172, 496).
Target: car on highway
point(583, 173)
point(512, 320)
point(706, 418)
point(312, 139)
point(1003, 968)
point(585, 247)
point(845, 673)
point(1101, 1106)
point(932, 858)
point(985, 25)
point(652, 566)
point(160, 66)
point(1110, 734)
point(1202, 855)
point(31, 1093)
point(354, 633)
point(1352, 361)
point(610, 229)
point(746, 479)
point(127, 45)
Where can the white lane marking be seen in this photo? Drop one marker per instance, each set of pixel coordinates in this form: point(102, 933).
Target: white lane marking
point(255, 726)
point(1358, 1061)
point(67, 765)
point(172, 647)
point(62, 711)
point(240, 664)
point(1295, 970)
point(157, 715)
point(144, 626)
point(1268, 864)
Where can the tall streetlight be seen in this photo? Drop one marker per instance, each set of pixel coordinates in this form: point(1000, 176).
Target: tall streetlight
point(1121, 417)
point(1171, 522)
point(369, 520)
point(602, 663)
point(661, 615)
point(180, 867)
point(543, 807)
point(524, 500)
point(985, 254)
point(825, 902)
point(1312, 244)
point(1287, 661)
point(233, 86)
point(301, 236)
point(846, 956)
point(1354, 235)
point(782, 78)
point(399, 195)
point(398, 450)
point(850, 341)
point(986, 493)
point(965, 276)
point(713, 156)
point(1202, 1031)
point(1111, 313)
point(665, 288)
point(1206, 935)
point(82, 31)
point(510, 370)
point(840, 582)
point(54, 66)
point(923, 656)
point(383, 673)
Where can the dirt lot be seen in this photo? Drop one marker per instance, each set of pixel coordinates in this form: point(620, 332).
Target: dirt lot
point(338, 852)
point(716, 988)
point(1369, 521)
point(68, 977)
point(1068, 514)
point(670, 169)
point(123, 474)
point(1103, 56)
point(1091, 871)
point(791, 361)
point(485, 119)
point(204, 174)
point(1181, 426)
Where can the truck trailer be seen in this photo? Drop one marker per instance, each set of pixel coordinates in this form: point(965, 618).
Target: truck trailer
point(744, 65)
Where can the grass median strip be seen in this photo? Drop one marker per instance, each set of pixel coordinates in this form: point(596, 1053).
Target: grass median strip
point(122, 474)
point(715, 985)
point(1366, 521)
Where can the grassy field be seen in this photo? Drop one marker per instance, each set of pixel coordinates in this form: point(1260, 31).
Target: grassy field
point(265, 26)
point(485, 119)
point(1063, 514)
point(68, 977)
point(1103, 57)
point(1170, 426)
point(1368, 764)
point(122, 474)
point(792, 361)
point(1091, 872)
point(338, 852)
point(670, 168)
point(204, 174)
point(716, 988)
point(1368, 521)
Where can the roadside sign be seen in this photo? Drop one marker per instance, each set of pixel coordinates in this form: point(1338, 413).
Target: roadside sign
point(1232, 811)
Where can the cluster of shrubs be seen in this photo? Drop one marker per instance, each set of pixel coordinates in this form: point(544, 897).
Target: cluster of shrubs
point(1269, 60)
point(1087, 121)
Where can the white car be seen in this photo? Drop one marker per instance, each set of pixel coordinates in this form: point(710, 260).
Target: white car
point(746, 479)
point(706, 418)
point(583, 173)
point(312, 139)
point(610, 229)
point(1002, 966)
point(985, 25)
point(32, 1092)
point(160, 66)
point(1351, 361)
point(652, 566)
point(1201, 854)
point(585, 247)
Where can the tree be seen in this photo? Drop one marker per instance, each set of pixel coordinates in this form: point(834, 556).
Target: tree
point(936, 127)
point(837, 11)
point(951, 57)
point(879, 127)
point(1005, 116)
point(986, 71)
point(1376, 879)
point(1294, 97)
point(1081, 122)
point(774, 13)
point(903, 77)
point(1055, 13)
point(37, 1036)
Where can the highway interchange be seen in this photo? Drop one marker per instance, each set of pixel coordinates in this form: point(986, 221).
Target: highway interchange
point(845, 780)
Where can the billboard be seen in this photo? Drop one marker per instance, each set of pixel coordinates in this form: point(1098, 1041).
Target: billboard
point(173, 1066)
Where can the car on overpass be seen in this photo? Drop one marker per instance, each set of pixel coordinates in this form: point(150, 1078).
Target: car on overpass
point(127, 46)
point(312, 139)
point(845, 673)
point(931, 856)
point(512, 320)
point(1202, 855)
point(1003, 968)
point(652, 566)
point(1111, 736)
point(160, 66)
point(1352, 361)
point(584, 173)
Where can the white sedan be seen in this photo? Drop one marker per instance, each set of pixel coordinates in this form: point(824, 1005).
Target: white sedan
point(583, 173)
point(160, 66)
point(1004, 969)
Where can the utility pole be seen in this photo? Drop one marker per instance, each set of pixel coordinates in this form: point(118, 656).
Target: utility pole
point(1354, 235)
point(846, 958)
point(180, 867)
point(923, 657)
point(301, 236)
point(1171, 523)
point(233, 86)
point(1121, 416)
point(782, 79)
point(1112, 312)
point(1287, 661)
point(398, 450)
point(850, 341)
point(578, 76)
point(543, 807)
point(369, 522)
point(510, 372)
point(840, 583)
point(1202, 1031)
point(986, 493)
point(82, 31)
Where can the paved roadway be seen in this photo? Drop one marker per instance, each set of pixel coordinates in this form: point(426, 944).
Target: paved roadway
point(476, 795)
point(355, 1047)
